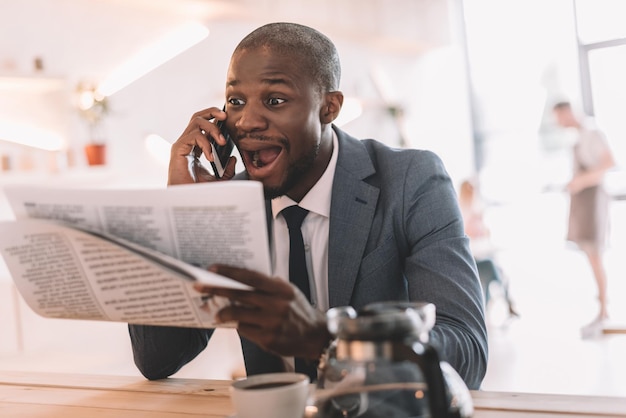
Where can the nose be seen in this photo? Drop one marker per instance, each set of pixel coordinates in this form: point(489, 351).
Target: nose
point(251, 119)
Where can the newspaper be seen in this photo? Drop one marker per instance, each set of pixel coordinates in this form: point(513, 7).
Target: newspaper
point(133, 255)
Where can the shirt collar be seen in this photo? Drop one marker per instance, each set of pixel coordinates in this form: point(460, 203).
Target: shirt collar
point(317, 200)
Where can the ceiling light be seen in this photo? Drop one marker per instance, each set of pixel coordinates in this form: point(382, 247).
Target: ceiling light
point(153, 56)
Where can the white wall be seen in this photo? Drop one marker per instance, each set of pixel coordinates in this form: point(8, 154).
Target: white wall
point(412, 44)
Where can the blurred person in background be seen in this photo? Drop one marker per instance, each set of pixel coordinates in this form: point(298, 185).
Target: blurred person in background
point(481, 245)
point(588, 224)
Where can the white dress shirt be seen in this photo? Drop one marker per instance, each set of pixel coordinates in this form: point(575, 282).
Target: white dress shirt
point(314, 233)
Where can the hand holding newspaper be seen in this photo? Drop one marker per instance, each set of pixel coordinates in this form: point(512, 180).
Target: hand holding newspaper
point(132, 255)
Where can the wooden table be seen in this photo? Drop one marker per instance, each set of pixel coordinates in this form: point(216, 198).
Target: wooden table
point(74, 395)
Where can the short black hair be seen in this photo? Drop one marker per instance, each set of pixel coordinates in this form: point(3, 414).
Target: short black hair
point(312, 49)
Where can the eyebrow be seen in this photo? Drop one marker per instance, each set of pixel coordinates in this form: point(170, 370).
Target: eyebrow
point(270, 81)
point(276, 80)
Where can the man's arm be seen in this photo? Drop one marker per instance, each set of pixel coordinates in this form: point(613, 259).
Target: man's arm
point(441, 270)
point(159, 352)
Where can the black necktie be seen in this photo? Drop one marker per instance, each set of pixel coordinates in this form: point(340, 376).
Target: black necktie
point(298, 275)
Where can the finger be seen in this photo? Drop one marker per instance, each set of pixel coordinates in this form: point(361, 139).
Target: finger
point(203, 145)
point(253, 315)
point(276, 339)
point(186, 168)
point(259, 281)
point(229, 171)
point(197, 132)
point(232, 294)
point(184, 164)
point(248, 298)
point(188, 146)
point(210, 130)
point(202, 119)
point(257, 334)
point(181, 168)
point(202, 174)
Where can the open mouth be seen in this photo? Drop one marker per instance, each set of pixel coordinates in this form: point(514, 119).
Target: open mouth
point(262, 157)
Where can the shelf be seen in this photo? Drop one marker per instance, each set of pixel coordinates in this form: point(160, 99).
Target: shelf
point(37, 84)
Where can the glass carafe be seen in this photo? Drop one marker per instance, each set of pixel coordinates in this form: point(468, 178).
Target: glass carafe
point(381, 365)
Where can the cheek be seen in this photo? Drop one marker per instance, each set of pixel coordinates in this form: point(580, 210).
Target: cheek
point(301, 123)
point(306, 133)
point(301, 127)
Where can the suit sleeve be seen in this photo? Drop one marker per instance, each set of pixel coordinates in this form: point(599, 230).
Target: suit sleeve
point(441, 269)
point(159, 352)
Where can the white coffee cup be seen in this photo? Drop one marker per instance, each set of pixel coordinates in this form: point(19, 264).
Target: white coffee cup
point(270, 395)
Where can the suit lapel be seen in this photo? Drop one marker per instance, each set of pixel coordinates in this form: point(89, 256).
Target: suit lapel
point(352, 210)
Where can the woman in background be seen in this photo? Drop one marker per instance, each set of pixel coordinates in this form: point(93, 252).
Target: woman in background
point(480, 243)
point(589, 204)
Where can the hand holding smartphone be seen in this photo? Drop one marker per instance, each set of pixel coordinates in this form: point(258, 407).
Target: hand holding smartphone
point(221, 154)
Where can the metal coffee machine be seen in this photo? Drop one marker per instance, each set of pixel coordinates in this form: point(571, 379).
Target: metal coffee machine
point(381, 365)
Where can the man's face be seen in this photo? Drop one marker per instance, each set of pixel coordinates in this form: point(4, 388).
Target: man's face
point(274, 117)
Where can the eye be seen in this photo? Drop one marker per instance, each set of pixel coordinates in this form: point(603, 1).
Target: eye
point(235, 102)
point(274, 101)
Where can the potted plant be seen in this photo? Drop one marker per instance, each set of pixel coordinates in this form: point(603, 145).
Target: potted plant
point(93, 107)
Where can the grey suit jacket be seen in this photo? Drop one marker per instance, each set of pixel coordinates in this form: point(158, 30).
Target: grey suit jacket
point(396, 233)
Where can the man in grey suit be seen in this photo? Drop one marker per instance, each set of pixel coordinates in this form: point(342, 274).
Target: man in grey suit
point(382, 225)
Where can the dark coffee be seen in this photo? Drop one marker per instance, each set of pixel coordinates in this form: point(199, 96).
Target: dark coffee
point(268, 385)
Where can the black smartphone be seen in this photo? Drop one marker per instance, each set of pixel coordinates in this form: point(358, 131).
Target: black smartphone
point(221, 153)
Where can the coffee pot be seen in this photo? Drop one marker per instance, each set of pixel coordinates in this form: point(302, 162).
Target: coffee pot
point(381, 365)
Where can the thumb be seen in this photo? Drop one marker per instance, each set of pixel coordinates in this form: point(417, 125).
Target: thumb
point(229, 171)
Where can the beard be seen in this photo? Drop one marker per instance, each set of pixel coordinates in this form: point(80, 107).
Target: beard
point(295, 173)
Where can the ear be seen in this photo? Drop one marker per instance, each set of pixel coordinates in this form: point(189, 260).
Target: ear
point(331, 106)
